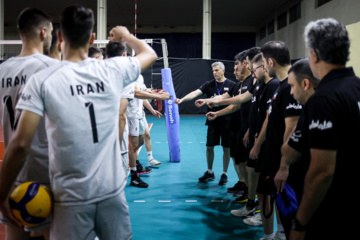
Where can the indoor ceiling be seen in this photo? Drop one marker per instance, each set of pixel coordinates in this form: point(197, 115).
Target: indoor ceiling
point(157, 13)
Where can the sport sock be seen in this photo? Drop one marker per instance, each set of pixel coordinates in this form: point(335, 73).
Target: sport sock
point(150, 156)
point(210, 171)
point(269, 236)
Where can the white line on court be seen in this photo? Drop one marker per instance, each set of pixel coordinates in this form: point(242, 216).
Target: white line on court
point(164, 201)
point(139, 200)
point(190, 200)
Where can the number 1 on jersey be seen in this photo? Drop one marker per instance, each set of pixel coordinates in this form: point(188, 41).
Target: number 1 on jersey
point(93, 120)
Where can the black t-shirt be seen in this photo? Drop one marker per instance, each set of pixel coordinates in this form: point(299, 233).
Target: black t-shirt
point(211, 89)
point(282, 105)
point(264, 101)
point(332, 122)
point(245, 106)
point(298, 169)
point(256, 91)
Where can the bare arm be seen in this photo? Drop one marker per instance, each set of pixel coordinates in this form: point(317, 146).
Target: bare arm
point(317, 182)
point(288, 156)
point(144, 53)
point(189, 96)
point(201, 102)
point(228, 110)
point(234, 100)
point(143, 94)
point(14, 158)
point(151, 109)
point(255, 150)
point(122, 117)
point(290, 124)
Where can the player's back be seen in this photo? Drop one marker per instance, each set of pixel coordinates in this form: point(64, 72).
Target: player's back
point(15, 74)
point(135, 105)
point(81, 104)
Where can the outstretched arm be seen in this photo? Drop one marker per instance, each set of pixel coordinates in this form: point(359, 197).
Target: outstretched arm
point(228, 110)
point(201, 102)
point(143, 94)
point(234, 100)
point(189, 96)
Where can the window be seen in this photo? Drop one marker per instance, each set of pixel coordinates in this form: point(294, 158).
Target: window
point(321, 2)
point(263, 32)
point(270, 27)
point(295, 13)
point(282, 20)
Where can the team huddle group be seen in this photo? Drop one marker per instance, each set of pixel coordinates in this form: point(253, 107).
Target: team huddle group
point(287, 128)
point(75, 123)
point(64, 126)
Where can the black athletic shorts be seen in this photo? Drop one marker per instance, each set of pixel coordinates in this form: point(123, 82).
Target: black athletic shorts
point(266, 184)
point(241, 154)
point(256, 163)
point(215, 133)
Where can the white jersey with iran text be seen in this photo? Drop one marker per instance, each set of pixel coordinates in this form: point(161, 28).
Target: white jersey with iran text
point(81, 104)
point(14, 74)
point(135, 106)
point(128, 93)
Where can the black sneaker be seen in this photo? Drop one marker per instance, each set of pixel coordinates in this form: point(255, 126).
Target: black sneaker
point(140, 169)
point(242, 199)
point(136, 181)
point(239, 186)
point(207, 177)
point(223, 179)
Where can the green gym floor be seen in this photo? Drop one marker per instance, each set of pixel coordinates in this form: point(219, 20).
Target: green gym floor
point(175, 205)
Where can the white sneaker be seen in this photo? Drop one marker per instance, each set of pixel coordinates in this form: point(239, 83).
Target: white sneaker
point(280, 236)
point(254, 221)
point(242, 212)
point(153, 162)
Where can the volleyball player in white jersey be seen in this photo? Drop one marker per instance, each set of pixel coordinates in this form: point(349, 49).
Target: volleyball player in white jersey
point(80, 99)
point(114, 49)
point(137, 127)
point(35, 28)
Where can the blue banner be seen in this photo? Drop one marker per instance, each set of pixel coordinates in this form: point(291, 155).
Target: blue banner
point(171, 116)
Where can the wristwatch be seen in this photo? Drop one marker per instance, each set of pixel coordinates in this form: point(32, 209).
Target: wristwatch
point(295, 225)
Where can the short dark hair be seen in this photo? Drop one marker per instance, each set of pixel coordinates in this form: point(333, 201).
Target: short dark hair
point(94, 50)
point(31, 18)
point(278, 51)
point(241, 56)
point(252, 52)
point(114, 49)
point(258, 58)
point(77, 24)
point(330, 40)
point(302, 70)
point(54, 39)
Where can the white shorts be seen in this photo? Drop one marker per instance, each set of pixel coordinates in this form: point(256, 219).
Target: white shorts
point(107, 219)
point(137, 127)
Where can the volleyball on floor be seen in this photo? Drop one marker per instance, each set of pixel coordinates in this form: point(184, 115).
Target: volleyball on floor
point(31, 203)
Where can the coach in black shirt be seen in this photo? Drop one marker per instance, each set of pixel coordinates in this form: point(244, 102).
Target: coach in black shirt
point(332, 124)
point(219, 128)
